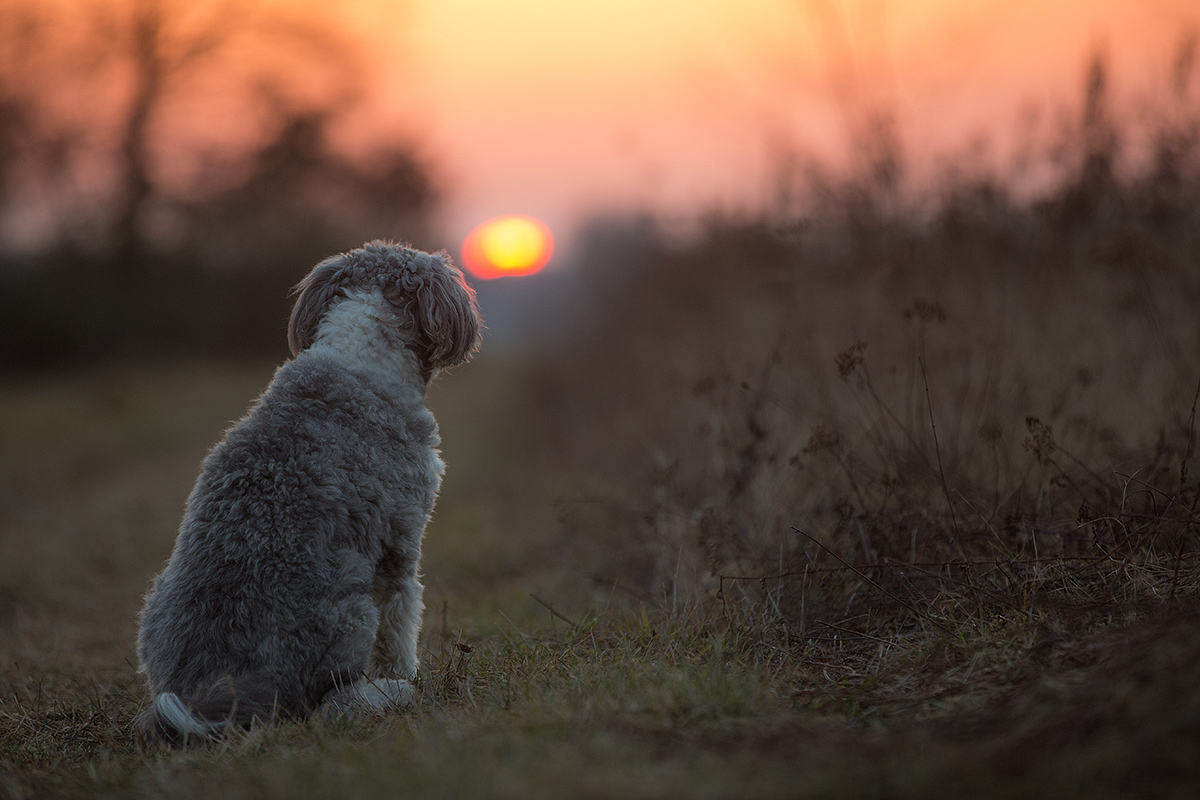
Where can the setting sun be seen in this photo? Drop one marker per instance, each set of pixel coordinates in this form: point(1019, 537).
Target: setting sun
point(509, 245)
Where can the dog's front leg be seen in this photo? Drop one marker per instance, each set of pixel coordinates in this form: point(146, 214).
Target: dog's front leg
point(398, 592)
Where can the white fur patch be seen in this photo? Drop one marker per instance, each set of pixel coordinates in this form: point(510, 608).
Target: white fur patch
point(369, 694)
point(174, 714)
point(353, 331)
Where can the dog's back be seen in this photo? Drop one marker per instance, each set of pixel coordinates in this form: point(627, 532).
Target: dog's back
point(265, 605)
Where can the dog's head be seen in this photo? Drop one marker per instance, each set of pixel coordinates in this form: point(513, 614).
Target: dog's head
point(435, 310)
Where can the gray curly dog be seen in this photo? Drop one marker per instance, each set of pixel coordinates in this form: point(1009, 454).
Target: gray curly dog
point(294, 585)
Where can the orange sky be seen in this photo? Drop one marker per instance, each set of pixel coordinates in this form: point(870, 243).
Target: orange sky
point(559, 109)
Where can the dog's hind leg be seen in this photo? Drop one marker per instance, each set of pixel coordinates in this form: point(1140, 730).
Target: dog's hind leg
point(347, 632)
point(398, 591)
point(394, 624)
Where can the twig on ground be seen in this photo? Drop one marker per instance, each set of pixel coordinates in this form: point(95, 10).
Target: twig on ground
point(550, 608)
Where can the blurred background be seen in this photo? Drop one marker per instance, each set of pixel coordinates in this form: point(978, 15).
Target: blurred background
point(864, 318)
point(168, 169)
point(786, 232)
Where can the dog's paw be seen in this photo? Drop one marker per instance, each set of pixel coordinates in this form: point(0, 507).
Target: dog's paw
point(369, 695)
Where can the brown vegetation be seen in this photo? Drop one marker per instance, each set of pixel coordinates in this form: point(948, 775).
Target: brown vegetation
point(897, 498)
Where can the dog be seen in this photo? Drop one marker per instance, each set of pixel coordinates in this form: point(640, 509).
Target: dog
point(294, 585)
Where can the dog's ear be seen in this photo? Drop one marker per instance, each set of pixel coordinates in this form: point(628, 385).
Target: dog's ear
point(314, 294)
point(445, 314)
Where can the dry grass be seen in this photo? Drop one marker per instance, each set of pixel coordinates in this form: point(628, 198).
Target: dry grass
point(597, 687)
point(874, 503)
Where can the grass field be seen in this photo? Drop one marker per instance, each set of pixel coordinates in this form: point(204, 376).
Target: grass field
point(847, 632)
point(516, 700)
point(894, 500)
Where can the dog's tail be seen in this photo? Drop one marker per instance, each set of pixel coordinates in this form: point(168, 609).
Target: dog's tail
point(208, 714)
point(169, 719)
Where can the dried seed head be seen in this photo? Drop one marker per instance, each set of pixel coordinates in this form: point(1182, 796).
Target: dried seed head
point(1040, 441)
point(822, 437)
point(849, 360)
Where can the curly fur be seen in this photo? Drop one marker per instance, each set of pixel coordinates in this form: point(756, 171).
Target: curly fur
point(294, 583)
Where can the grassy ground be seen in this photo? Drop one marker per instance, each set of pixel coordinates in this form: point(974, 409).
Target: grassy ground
point(541, 680)
point(869, 504)
point(883, 493)
point(893, 496)
point(96, 468)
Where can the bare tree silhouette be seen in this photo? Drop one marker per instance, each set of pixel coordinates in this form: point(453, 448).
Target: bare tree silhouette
point(28, 140)
point(165, 42)
point(165, 164)
point(180, 104)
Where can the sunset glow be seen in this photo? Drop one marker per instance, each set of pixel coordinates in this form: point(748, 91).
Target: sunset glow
point(510, 245)
point(680, 106)
point(570, 111)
